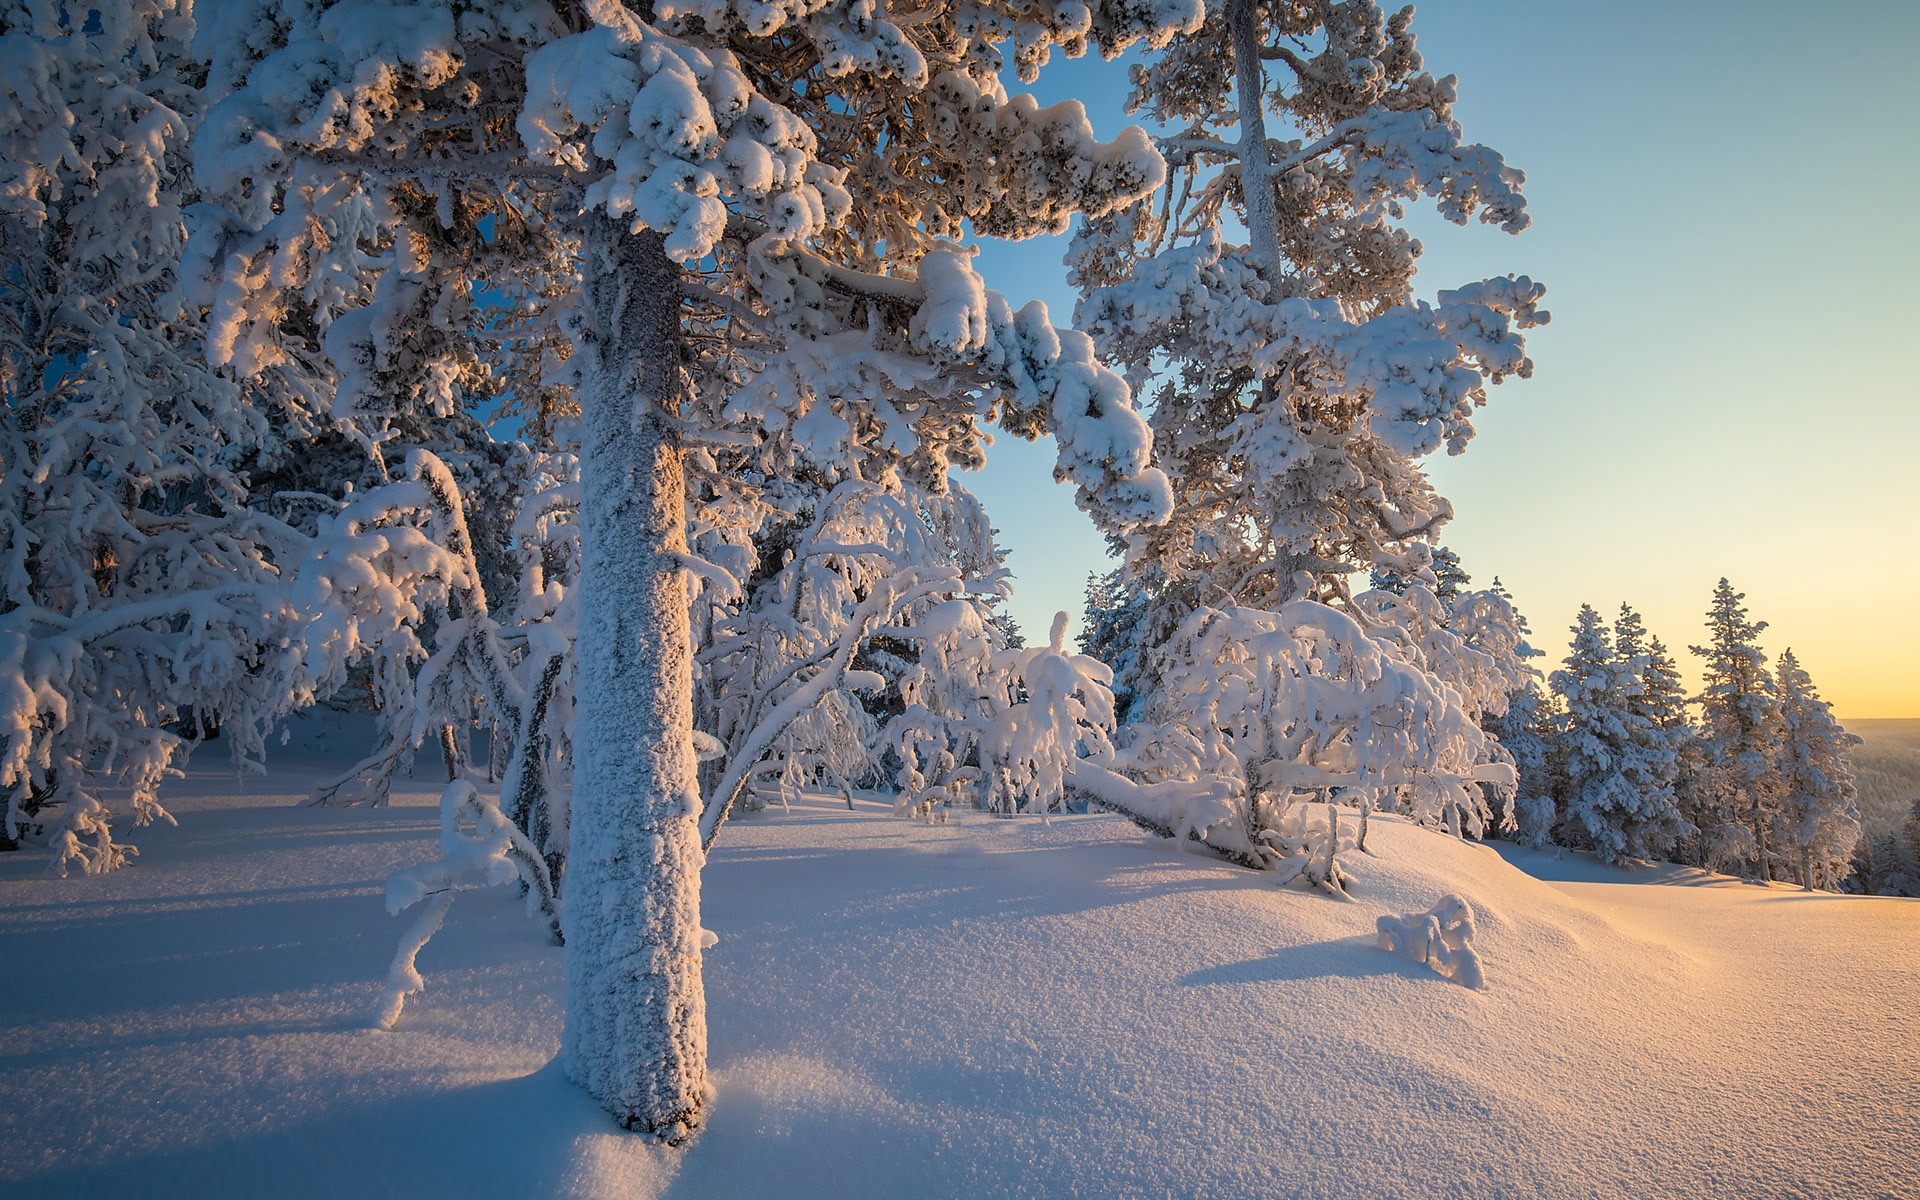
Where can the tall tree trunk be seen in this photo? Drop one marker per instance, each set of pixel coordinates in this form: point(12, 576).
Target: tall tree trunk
point(636, 1028)
point(1256, 164)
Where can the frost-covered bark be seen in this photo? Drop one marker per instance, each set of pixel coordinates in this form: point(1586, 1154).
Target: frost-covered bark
point(636, 1034)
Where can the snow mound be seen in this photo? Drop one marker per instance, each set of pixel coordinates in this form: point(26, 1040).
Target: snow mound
point(986, 1007)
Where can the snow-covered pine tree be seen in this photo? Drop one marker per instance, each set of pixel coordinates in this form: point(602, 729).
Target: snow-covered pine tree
point(1449, 577)
point(139, 593)
point(1528, 732)
point(1297, 382)
point(1733, 793)
point(1819, 824)
point(1110, 632)
point(1619, 765)
point(1656, 699)
point(785, 177)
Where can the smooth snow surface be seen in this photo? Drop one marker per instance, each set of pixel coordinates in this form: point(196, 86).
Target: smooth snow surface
point(982, 1008)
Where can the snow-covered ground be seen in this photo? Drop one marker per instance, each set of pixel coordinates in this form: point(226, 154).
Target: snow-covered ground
point(982, 1008)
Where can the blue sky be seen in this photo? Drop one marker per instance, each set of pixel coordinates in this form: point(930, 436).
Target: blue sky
point(1721, 196)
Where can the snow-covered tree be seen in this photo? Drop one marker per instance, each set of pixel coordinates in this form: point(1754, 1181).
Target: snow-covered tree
point(1819, 824)
point(1888, 864)
point(1618, 764)
point(1528, 731)
point(1662, 696)
point(1297, 382)
point(1733, 794)
point(140, 603)
point(1297, 385)
point(763, 193)
point(1286, 718)
point(1110, 632)
point(1449, 577)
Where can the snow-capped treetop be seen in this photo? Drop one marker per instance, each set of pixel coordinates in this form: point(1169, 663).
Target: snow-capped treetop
point(1297, 379)
point(865, 334)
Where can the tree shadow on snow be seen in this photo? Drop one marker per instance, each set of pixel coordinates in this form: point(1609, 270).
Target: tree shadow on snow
point(532, 1136)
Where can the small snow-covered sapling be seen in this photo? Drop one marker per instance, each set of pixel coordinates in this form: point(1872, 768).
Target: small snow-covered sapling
point(1441, 937)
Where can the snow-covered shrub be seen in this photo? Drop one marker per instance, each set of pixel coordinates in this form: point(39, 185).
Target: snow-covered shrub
point(1441, 937)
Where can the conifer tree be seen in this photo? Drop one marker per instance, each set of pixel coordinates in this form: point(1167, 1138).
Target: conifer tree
point(1110, 632)
point(756, 203)
point(1297, 382)
point(1819, 824)
point(1734, 795)
point(1527, 730)
point(1449, 578)
point(1619, 764)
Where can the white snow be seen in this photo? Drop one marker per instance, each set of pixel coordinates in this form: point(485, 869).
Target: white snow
point(986, 1007)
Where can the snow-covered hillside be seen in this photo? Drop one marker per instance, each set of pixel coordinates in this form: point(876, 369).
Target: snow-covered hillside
point(982, 1008)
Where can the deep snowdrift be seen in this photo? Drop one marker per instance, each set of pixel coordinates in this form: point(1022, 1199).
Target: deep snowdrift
point(981, 1008)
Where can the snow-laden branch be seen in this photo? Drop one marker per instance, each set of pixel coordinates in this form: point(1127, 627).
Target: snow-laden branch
point(495, 852)
point(888, 598)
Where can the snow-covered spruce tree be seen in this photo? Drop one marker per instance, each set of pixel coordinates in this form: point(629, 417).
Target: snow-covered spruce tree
point(1449, 577)
point(1619, 765)
point(1110, 632)
point(1818, 822)
point(139, 594)
point(1662, 697)
point(1889, 864)
point(1528, 731)
point(1297, 383)
point(786, 176)
point(1733, 791)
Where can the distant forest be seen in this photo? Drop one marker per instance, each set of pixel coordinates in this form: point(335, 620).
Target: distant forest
point(1887, 771)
